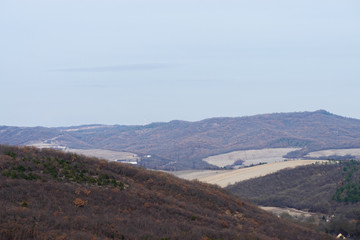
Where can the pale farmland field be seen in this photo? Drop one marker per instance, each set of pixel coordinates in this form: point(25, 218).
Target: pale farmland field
point(106, 154)
point(224, 178)
point(332, 152)
point(250, 157)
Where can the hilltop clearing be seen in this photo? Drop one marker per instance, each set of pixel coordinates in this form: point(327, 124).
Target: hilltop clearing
point(107, 154)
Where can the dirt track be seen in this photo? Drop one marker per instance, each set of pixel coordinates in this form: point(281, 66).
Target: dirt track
point(224, 178)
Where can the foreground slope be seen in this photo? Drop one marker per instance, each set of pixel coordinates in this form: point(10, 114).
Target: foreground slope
point(46, 194)
point(180, 145)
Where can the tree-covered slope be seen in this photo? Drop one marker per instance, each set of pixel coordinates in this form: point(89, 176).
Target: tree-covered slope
point(46, 194)
point(182, 145)
point(331, 189)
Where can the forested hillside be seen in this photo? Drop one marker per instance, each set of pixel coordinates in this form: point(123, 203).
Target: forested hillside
point(331, 189)
point(47, 194)
point(180, 145)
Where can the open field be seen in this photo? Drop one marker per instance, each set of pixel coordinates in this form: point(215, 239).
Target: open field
point(99, 153)
point(299, 215)
point(106, 154)
point(338, 152)
point(196, 174)
point(224, 178)
point(296, 213)
point(249, 157)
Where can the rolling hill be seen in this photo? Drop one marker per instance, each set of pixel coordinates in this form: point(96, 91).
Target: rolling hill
point(180, 145)
point(48, 194)
point(332, 190)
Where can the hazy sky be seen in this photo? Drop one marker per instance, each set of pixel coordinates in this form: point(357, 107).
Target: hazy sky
point(78, 62)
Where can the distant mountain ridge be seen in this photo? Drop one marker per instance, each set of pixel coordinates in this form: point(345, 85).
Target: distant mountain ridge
point(181, 144)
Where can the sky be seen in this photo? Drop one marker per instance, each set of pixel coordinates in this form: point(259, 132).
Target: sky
point(130, 62)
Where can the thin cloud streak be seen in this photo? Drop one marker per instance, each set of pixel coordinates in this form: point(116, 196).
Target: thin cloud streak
point(119, 68)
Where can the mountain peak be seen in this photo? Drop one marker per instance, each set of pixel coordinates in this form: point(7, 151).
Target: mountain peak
point(322, 111)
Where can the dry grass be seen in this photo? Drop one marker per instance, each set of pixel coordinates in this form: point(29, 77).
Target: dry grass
point(249, 157)
point(332, 152)
point(224, 178)
point(296, 213)
point(106, 154)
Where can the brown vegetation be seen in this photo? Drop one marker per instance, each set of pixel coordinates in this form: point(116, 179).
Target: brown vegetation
point(40, 200)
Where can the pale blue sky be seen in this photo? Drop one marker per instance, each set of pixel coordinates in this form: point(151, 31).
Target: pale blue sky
point(77, 62)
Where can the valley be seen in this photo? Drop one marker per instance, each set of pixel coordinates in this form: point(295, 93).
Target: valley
point(328, 190)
